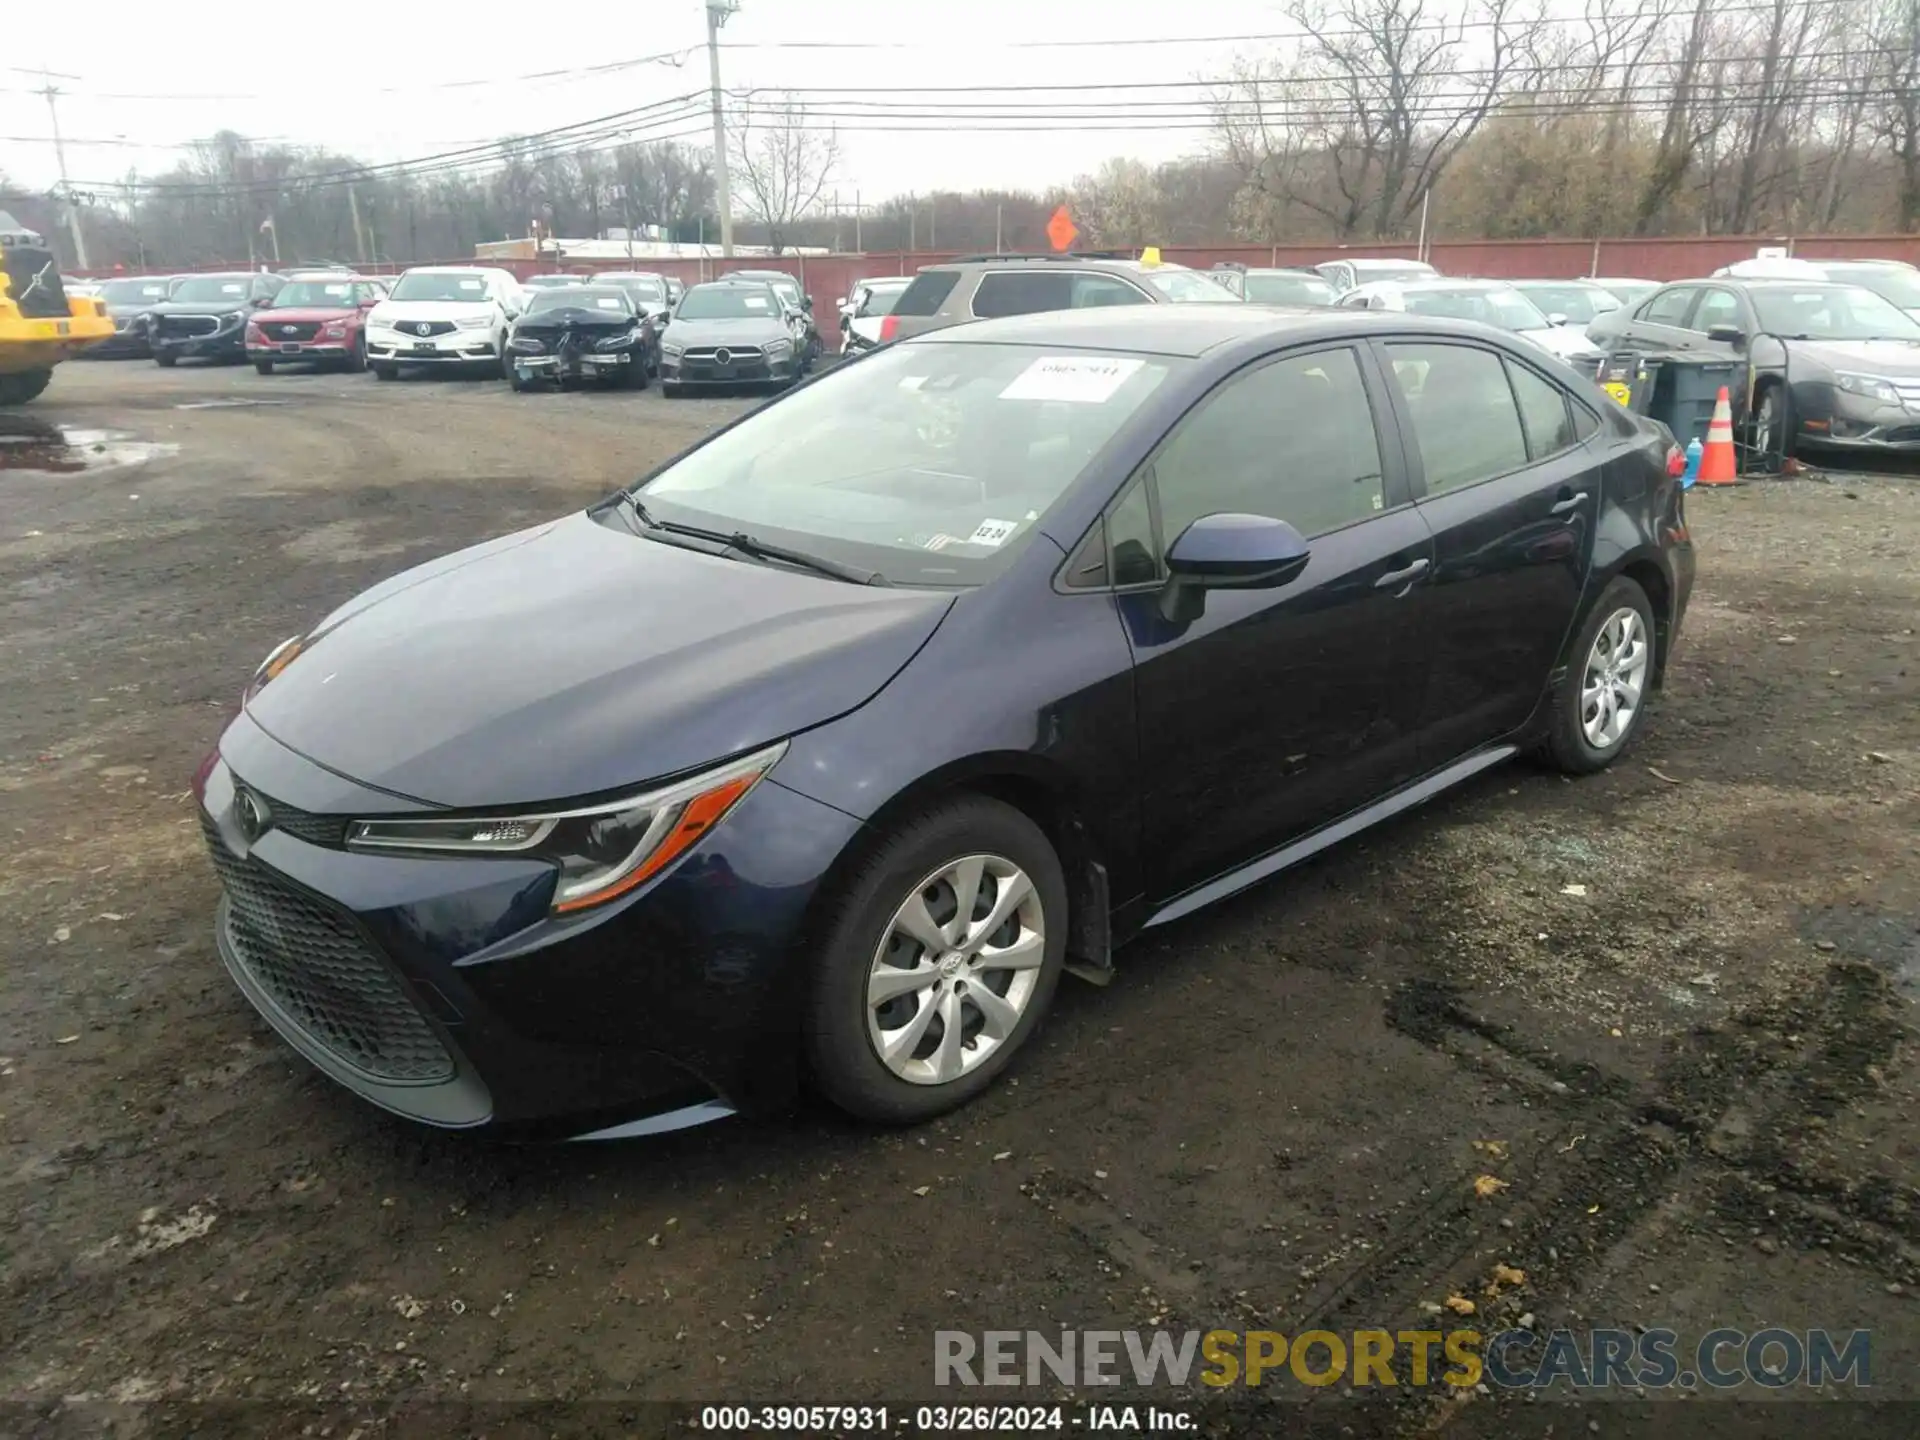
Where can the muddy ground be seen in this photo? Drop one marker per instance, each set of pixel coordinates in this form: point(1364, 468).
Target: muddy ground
point(1693, 1079)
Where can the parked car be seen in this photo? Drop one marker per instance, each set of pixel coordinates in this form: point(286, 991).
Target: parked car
point(983, 287)
point(1276, 285)
point(1346, 274)
point(130, 301)
point(451, 315)
point(1626, 291)
point(1490, 302)
point(796, 299)
point(315, 321)
point(920, 686)
point(553, 282)
point(580, 332)
point(649, 292)
point(870, 302)
point(1834, 367)
point(731, 332)
point(675, 289)
point(1893, 280)
point(1569, 302)
point(205, 316)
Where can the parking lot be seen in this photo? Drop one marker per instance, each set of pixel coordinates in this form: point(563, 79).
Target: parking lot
point(1663, 1009)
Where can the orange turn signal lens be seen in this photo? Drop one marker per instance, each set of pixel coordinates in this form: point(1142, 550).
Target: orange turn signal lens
point(696, 818)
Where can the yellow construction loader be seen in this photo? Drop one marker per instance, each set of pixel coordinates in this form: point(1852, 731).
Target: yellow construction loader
point(39, 325)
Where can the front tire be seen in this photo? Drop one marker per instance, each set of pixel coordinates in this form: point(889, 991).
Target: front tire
point(165, 361)
point(941, 953)
point(356, 360)
point(1771, 421)
point(20, 386)
point(1602, 699)
point(386, 372)
point(264, 367)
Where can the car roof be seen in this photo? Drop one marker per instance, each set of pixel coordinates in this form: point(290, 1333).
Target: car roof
point(455, 270)
point(1302, 272)
point(1185, 330)
point(1538, 280)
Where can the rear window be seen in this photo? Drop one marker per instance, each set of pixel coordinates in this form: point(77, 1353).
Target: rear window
point(1022, 292)
point(927, 293)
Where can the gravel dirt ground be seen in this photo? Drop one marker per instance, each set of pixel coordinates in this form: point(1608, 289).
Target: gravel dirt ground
point(1667, 1008)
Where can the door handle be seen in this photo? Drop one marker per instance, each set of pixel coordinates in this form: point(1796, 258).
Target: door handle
point(1402, 577)
point(1570, 503)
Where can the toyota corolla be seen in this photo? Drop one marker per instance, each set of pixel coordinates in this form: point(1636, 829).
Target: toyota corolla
point(821, 753)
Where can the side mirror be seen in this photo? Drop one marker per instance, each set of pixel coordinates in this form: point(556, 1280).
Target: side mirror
point(1238, 552)
point(841, 303)
point(1727, 335)
point(1557, 318)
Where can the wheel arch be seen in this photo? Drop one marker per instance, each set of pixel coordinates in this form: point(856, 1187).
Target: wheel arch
point(1643, 567)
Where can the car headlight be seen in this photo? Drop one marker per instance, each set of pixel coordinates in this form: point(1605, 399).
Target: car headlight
point(779, 347)
point(335, 331)
point(232, 315)
point(667, 347)
point(616, 342)
point(1872, 387)
point(526, 344)
point(602, 851)
point(474, 322)
point(278, 658)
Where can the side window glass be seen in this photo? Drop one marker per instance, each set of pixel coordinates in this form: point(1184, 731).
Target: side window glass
point(1022, 292)
point(1669, 307)
point(1543, 411)
point(1136, 559)
point(1463, 413)
point(1093, 290)
point(1585, 423)
point(1293, 440)
point(1717, 307)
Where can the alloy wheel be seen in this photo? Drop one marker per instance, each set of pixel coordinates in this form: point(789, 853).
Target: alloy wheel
point(955, 969)
point(1614, 679)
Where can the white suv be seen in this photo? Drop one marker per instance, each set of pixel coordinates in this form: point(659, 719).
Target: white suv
point(444, 315)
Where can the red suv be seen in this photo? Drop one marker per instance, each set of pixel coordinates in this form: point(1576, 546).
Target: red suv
point(317, 318)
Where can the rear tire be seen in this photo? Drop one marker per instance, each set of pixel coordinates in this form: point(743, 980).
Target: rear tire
point(1601, 701)
point(265, 367)
point(165, 361)
point(958, 1007)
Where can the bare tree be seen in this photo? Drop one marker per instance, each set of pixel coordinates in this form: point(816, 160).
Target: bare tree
point(781, 165)
point(1895, 117)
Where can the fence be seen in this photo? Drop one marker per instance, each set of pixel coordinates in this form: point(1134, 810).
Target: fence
point(829, 277)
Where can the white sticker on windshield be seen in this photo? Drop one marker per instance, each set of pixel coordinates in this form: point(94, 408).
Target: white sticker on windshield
point(755, 302)
point(473, 284)
point(607, 302)
point(912, 382)
point(993, 532)
point(1079, 379)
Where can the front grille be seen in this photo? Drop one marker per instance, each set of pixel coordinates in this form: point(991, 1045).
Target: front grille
point(1908, 391)
point(323, 973)
point(290, 329)
point(185, 327)
point(748, 354)
point(422, 329)
point(305, 825)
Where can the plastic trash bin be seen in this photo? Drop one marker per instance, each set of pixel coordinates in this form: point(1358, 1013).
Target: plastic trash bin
point(1631, 377)
point(1687, 390)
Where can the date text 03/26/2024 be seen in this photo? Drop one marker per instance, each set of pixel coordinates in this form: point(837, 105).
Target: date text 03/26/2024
point(772, 1420)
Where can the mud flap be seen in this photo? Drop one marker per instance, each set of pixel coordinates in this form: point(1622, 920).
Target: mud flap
point(1090, 936)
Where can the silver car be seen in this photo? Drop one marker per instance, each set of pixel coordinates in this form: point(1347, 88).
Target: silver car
point(731, 332)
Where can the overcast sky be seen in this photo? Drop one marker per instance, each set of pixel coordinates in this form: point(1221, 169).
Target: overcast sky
point(393, 81)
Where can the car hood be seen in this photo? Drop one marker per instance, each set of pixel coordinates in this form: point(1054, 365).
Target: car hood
point(395, 312)
point(133, 307)
point(551, 322)
point(750, 331)
point(199, 307)
point(576, 658)
point(1874, 357)
point(304, 313)
point(1566, 341)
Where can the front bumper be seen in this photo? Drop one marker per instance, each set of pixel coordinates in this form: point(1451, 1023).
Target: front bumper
point(226, 343)
point(684, 370)
point(580, 364)
point(129, 343)
point(317, 350)
point(441, 989)
point(462, 347)
point(1832, 418)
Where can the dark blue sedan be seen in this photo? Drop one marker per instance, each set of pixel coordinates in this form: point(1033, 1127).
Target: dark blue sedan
point(829, 747)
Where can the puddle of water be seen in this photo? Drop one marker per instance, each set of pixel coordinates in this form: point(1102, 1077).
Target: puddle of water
point(236, 404)
point(39, 448)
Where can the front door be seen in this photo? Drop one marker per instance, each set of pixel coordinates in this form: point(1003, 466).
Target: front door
point(1509, 484)
point(1280, 709)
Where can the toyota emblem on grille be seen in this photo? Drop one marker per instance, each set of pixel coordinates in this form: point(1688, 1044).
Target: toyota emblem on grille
point(250, 814)
point(423, 328)
point(722, 355)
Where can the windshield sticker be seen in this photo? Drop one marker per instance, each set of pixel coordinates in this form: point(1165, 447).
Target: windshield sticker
point(473, 284)
point(941, 542)
point(755, 302)
point(608, 302)
point(912, 382)
point(1077, 379)
point(993, 532)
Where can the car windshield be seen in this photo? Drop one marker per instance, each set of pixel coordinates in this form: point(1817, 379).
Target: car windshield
point(333, 294)
point(134, 292)
point(1184, 287)
point(601, 299)
point(880, 299)
point(786, 289)
point(1579, 303)
point(957, 452)
point(1830, 312)
point(1370, 273)
point(553, 282)
point(418, 285)
point(1891, 282)
point(641, 288)
point(1288, 289)
point(1628, 292)
point(208, 289)
point(1508, 309)
point(728, 302)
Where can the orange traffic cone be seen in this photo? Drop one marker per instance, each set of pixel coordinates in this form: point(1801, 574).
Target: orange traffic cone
point(1717, 463)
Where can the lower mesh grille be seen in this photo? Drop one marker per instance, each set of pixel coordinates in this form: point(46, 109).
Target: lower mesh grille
point(324, 974)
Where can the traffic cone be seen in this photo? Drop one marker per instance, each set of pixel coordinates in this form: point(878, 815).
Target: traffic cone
point(1718, 465)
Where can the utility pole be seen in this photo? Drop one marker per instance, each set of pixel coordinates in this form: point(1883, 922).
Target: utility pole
point(717, 13)
point(52, 92)
point(359, 235)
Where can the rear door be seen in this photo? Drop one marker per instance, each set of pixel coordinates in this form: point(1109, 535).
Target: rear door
point(1506, 479)
point(1661, 321)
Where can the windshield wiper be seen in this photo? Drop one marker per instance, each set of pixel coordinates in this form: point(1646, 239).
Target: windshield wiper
point(743, 543)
